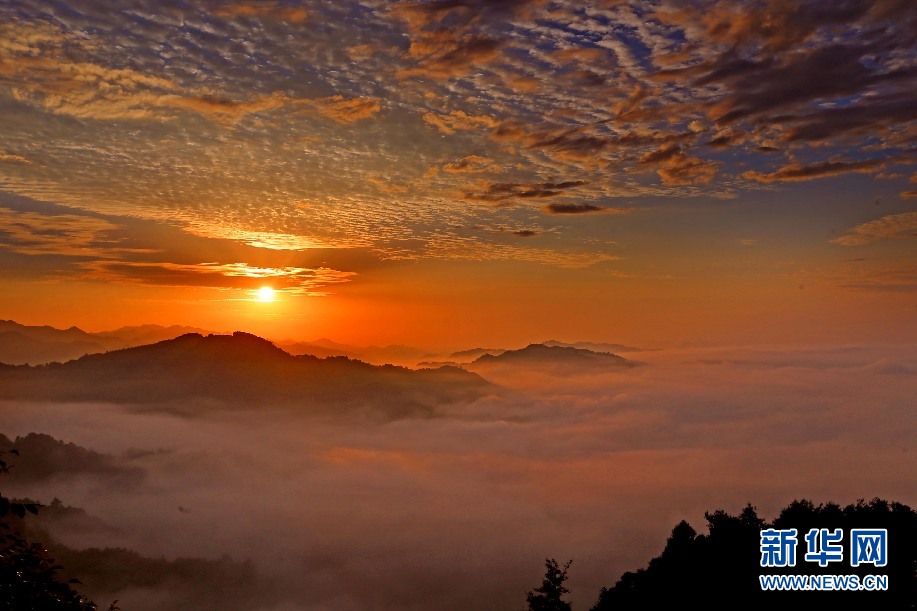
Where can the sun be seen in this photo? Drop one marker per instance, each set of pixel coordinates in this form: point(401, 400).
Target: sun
point(265, 294)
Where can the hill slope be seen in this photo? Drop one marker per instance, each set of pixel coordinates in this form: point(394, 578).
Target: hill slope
point(239, 370)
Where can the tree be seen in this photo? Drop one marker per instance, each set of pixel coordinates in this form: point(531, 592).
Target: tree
point(721, 569)
point(548, 596)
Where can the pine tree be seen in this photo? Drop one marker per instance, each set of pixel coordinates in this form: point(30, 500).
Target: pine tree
point(548, 596)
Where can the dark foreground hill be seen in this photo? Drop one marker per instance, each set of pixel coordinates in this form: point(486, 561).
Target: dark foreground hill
point(240, 370)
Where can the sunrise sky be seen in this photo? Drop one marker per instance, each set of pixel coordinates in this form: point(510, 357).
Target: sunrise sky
point(462, 172)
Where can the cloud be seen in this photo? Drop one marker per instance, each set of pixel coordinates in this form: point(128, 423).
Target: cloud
point(799, 172)
point(782, 63)
point(223, 109)
point(458, 120)
point(469, 164)
point(38, 59)
point(14, 158)
point(270, 240)
point(634, 99)
point(505, 191)
point(294, 280)
point(866, 116)
point(345, 110)
point(675, 167)
point(892, 226)
point(572, 208)
point(470, 248)
point(424, 14)
point(270, 9)
point(450, 38)
point(32, 233)
point(442, 55)
point(576, 144)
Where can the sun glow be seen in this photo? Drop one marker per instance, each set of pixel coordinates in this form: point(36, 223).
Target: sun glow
point(265, 294)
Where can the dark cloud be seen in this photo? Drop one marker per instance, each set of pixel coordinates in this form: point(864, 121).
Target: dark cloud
point(525, 233)
point(565, 143)
point(676, 167)
point(797, 172)
point(503, 191)
point(661, 155)
point(862, 118)
point(572, 208)
point(442, 55)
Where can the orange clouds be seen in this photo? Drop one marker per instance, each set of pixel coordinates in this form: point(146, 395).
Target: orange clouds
point(222, 109)
point(458, 120)
point(36, 58)
point(440, 55)
point(798, 172)
point(893, 226)
point(498, 192)
point(295, 280)
point(31, 233)
point(14, 158)
point(344, 110)
point(469, 164)
point(269, 9)
point(675, 167)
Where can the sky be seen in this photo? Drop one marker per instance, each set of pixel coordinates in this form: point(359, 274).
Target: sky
point(462, 172)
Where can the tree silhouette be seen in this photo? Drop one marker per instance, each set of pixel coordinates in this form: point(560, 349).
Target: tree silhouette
point(548, 596)
point(720, 569)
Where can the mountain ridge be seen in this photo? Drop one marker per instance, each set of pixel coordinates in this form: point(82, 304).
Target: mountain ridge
point(239, 370)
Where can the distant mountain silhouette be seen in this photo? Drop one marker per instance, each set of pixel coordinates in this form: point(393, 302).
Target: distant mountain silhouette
point(473, 353)
point(564, 359)
point(33, 345)
point(436, 364)
point(148, 334)
point(241, 370)
point(377, 355)
point(595, 346)
point(322, 348)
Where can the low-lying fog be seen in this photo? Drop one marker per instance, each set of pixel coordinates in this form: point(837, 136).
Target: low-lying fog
point(459, 511)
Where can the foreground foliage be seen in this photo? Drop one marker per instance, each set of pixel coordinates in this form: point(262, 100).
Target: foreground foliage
point(29, 578)
point(720, 570)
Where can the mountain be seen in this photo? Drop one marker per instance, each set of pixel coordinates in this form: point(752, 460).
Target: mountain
point(473, 353)
point(20, 344)
point(240, 370)
point(147, 334)
point(322, 348)
point(33, 345)
point(41, 457)
point(560, 359)
point(594, 346)
point(377, 355)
